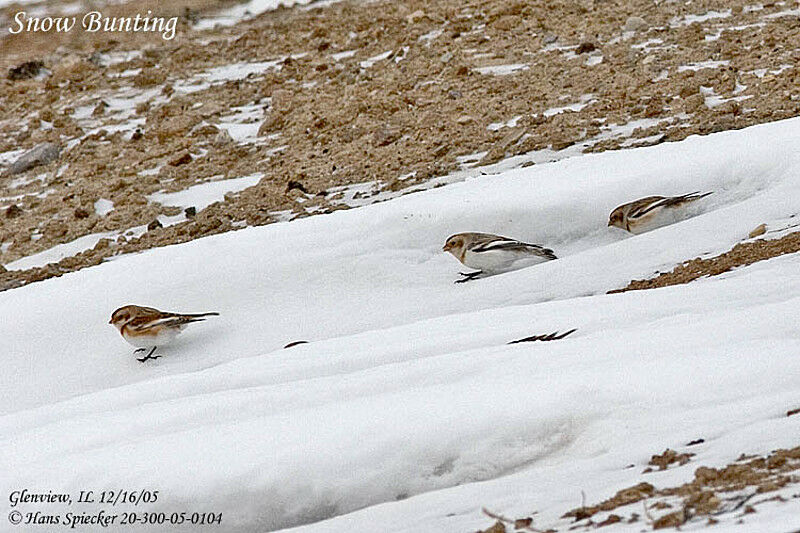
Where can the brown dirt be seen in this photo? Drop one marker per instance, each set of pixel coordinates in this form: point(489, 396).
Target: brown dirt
point(327, 122)
point(664, 460)
point(626, 496)
point(742, 254)
point(705, 495)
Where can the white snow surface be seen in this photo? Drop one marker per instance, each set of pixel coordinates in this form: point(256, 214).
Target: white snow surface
point(407, 410)
point(103, 207)
point(502, 70)
point(203, 195)
point(58, 252)
point(247, 10)
point(4, 3)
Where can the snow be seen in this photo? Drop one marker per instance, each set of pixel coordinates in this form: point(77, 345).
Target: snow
point(204, 194)
point(128, 73)
point(703, 64)
point(761, 72)
point(502, 70)
point(511, 123)
point(103, 207)
point(712, 99)
point(374, 59)
point(593, 60)
point(243, 123)
point(6, 158)
point(4, 3)
point(238, 71)
point(691, 19)
point(247, 10)
point(58, 252)
point(27, 180)
point(343, 55)
point(786, 13)
point(585, 100)
point(225, 73)
point(119, 113)
point(113, 58)
point(407, 410)
point(648, 43)
point(431, 35)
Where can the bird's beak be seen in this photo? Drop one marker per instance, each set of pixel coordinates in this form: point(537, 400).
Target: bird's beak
point(610, 223)
point(111, 321)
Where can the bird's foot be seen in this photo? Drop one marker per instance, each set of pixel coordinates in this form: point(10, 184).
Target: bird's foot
point(468, 277)
point(148, 356)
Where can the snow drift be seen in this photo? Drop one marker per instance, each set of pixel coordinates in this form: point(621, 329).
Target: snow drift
point(407, 395)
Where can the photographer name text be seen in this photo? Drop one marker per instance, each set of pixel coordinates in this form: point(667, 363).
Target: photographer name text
point(44, 508)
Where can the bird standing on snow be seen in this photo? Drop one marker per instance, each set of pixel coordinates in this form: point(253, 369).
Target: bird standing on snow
point(145, 327)
point(652, 212)
point(492, 253)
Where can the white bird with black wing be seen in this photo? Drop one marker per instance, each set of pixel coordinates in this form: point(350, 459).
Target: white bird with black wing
point(488, 253)
point(146, 327)
point(653, 212)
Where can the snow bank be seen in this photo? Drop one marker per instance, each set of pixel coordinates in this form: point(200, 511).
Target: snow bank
point(249, 9)
point(407, 387)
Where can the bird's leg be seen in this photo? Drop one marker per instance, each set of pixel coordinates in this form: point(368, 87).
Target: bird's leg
point(467, 277)
point(148, 356)
point(137, 350)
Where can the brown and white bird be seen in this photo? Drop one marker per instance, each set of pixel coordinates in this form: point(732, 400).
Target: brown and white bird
point(145, 327)
point(490, 253)
point(652, 212)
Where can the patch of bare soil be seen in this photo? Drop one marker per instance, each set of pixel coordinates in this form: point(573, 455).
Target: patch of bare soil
point(392, 95)
point(735, 490)
point(706, 494)
point(667, 458)
point(742, 254)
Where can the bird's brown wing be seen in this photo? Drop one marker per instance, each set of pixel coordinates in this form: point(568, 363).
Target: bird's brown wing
point(684, 198)
point(145, 323)
point(511, 245)
point(657, 202)
point(644, 205)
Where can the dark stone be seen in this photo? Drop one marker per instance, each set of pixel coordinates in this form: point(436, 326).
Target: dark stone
point(293, 184)
point(13, 211)
point(40, 155)
point(181, 160)
point(26, 70)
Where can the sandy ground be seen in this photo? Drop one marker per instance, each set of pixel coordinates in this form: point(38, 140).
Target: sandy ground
point(323, 98)
point(742, 254)
point(738, 488)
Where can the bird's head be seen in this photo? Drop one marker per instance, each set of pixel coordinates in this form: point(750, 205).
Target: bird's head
point(617, 218)
point(454, 245)
point(122, 316)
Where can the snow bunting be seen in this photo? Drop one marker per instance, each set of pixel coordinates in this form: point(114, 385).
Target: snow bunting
point(492, 253)
point(145, 327)
point(652, 212)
